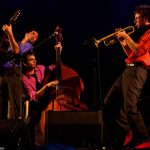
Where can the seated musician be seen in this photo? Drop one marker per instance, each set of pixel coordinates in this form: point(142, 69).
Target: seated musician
point(32, 78)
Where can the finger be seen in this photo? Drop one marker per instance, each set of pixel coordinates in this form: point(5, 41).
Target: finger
point(116, 30)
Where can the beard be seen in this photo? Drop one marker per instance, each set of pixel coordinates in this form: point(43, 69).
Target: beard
point(139, 32)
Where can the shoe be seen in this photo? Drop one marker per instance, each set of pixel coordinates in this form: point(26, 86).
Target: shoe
point(144, 145)
point(128, 138)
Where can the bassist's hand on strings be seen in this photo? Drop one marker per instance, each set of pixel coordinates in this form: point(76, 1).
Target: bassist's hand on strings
point(52, 83)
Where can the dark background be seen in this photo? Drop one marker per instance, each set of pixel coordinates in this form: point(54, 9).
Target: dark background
point(81, 20)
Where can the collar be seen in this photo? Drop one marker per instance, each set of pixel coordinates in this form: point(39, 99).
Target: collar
point(29, 74)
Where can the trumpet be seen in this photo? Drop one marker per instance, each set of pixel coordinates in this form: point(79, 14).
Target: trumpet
point(111, 39)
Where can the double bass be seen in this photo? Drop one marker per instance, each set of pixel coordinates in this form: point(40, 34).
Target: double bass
point(66, 95)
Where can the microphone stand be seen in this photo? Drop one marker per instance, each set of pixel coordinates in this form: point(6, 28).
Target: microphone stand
point(98, 95)
point(100, 108)
point(100, 115)
point(45, 40)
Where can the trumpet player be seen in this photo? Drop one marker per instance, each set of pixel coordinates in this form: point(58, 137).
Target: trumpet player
point(121, 114)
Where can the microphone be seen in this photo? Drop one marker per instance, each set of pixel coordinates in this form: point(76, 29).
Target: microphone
point(53, 35)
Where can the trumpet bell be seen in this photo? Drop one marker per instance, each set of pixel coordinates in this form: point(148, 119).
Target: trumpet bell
point(96, 42)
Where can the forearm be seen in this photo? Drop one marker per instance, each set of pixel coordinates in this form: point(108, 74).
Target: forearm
point(132, 45)
point(126, 48)
point(40, 92)
point(14, 45)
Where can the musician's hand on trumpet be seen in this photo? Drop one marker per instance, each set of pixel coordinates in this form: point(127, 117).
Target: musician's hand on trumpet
point(125, 40)
point(121, 34)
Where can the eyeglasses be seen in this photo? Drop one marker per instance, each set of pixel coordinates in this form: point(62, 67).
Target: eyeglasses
point(31, 59)
point(136, 18)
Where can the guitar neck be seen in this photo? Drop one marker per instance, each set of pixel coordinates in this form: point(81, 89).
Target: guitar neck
point(4, 42)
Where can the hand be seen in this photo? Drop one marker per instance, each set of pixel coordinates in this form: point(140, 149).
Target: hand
point(52, 67)
point(120, 34)
point(7, 28)
point(123, 42)
point(27, 37)
point(58, 46)
point(52, 83)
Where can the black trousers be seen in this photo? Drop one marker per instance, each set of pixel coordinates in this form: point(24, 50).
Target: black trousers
point(120, 106)
point(35, 112)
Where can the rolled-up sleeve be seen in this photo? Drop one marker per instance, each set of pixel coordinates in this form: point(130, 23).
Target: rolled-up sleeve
point(25, 48)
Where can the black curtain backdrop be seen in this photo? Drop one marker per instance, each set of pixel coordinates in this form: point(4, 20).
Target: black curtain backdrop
point(81, 20)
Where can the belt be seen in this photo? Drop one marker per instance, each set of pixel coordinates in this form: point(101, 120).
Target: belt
point(135, 64)
point(130, 64)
